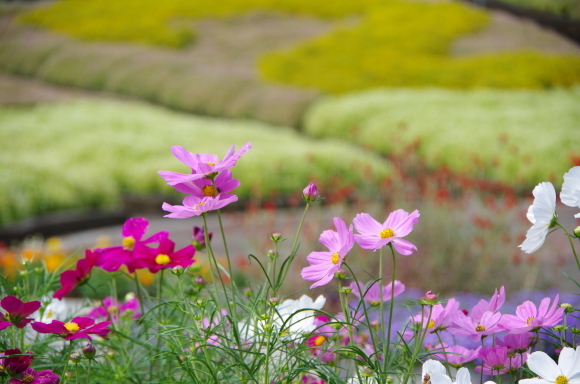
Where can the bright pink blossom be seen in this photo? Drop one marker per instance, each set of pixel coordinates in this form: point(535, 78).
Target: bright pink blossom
point(310, 193)
point(195, 206)
point(496, 361)
point(13, 365)
point(220, 185)
point(73, 278)
point(30, 376)
point(323, 265)
point(456, 355)
point(516, 343)
point(529, 317)
point(156, 259)
point(77, 328)
point(202, 165)
point(437, 317)
point(17, 312)
point(476, 329)
point(112, 308)
point(374, 235)
point(372, 291)
point(112, 258)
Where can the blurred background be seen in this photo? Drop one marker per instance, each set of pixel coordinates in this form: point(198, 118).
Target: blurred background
point(454, 108)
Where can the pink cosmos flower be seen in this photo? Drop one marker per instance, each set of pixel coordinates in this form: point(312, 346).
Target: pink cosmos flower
point(493, 305)
point(14, 365)
point(77, 328)
point(456, 355)
point(323, 265)
point(195, 206)
point(476, 329)
point(156, 259)
point(529, 317)
point(16, 312)
point(73, 278)
point(221, 185)
point(372, 291)
point(112, 258)
point(496, 361)
point(516, 343)
point(30, 376)
point(374, 235)
point(438, 318)
point(310, 193)
point(111, 307)
point(202, 165)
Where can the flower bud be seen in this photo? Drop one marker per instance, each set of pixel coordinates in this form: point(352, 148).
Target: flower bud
point(263, 317)
point(375, 324)
point(38, 270)
point(345, 289)
point(248, 292)
point(89, 351)
point(559, 328)
point(272, 254)
point(367, 372)
point(24, 273)
point(200, 281)
point(340, 274)
point(577, 231)
point(273, 301)
point(178, 270)
point(310, 193)
point(129, 296)
point(75, 357)
point(276, 237)
point(430, 298)
point(575, 331)
point(198, 238)
point(200, 303)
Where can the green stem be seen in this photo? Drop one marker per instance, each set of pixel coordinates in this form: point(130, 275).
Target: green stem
point(388, 345)
point(299, 229)
point(89, 372)
point(67, 358)
point(232, 282)
point(571, 245)
point(215, 268)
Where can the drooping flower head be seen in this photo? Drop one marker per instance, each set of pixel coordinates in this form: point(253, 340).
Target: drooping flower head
point(570, 194)
point(529, 317)
point(156, 259)
point(372, 291)
point(374, 235)
point(198, 238)
point(195, 206)
point(566, 371)
point(323, 265)
point(73, 278)
point(30, 376)
point(77, 328)
point(17, 312)
point(541, 214)
point(112, 309)
point(14, 365)
point(134, 229)
point(202, 165)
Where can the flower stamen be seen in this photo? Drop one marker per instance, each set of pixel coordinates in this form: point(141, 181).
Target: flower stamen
point(128, 243)
point(335, 258)
point(561, 379)
point(72, 327)
point(480, 328)
point(209, 190)
point(387, 233)
point(162, 259)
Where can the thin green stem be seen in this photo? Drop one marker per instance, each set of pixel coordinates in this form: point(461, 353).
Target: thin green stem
point(89, 372)
point(571, 245)
point(67, 358)
point(215, 268)
point(388, 345)
point(299, 229)
point(232, 282)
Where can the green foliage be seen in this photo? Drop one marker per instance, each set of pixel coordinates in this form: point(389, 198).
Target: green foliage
point(565, 8)
point(518, 137)
point(402, 44)
point(90, 153)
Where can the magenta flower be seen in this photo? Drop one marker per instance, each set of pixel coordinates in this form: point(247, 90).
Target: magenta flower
point(374, 235)
point(529, 318)
point(73, 278)
point(372, 291)
point(112, 258)
point(195, 206)
point(310, 193)
point(112, 308)
point(156, 259)
point(30, 376)
point(323, 265)
point(476, 329)
point(198, 238)
point(516, 343)
point(77, 328)
point(14, 365)
point(495, 360)
point(221, 185)
point(17, 312)
point(456, 355)
point(202, 165)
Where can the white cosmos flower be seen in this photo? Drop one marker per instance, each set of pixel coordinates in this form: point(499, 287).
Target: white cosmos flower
point(433, 368)
point(570, 194)
point(541, 213)
point(463, 377)
point(294, 321)
point(566, 372)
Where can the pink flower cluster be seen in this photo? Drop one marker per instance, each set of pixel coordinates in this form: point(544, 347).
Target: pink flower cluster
point(208, 185)
point(16, 365)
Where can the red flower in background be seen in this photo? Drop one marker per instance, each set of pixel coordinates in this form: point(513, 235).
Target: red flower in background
point(71, 279)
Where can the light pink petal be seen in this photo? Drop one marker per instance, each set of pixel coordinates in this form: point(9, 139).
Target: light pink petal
point(366, 225)
point(404, 247)
point(368, 242)
point(184, 156)
point(330, 240)
point(319, 258)
point(526, 310)
point(405, 226)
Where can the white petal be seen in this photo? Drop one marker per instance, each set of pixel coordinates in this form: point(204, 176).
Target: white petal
point(535, 380)
point(432, 366)
point(544, 205)
point(535, 238)
point(542, 365)
point(463, 376)
point(567, 360)
point(570, 188)
point(439, 378)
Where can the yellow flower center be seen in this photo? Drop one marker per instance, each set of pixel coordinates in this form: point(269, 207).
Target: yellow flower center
point(319, 340)
point(480, 328)
point(210, 164)
point(162, 259)
point(27, 378)
point(72, 327)
point(209, 190)
point(128, 243)
point(561, 380)
point(386, 233)
point(335, 258)
point(113, 309)
point(529, 320)
point(431, 324)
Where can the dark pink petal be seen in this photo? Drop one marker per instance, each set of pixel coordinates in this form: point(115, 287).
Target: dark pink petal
point(78, 335)
point(56, 327)
point(135, 227)
point(83, 322)
point(5, 324)
point(11, 304)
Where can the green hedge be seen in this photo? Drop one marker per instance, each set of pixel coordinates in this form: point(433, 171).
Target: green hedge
point(90, 153)
point(518, 137)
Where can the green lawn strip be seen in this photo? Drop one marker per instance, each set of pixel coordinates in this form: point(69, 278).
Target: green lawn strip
point(89, 153)
point(407, 44)
point(518, 137)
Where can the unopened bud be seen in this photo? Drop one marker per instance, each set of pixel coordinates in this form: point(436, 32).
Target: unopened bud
point(375, 324)
point(340, 274)
point(38, 270)
point(248, 292)
point(200, 303)
point(276, 237)
point(263, 317)
point(559, 328)
point(198, 238)
point(130, 296)
point(272, 254)
point(89, 351)
point(577, 231)
point(273, 301)
point(345, 289)
point(431, 296)
point(200, 281)
point(195, 267)
point(178, 270)
point(575, 331)
point(310, 193)
point(111, 355)
point(24, 273)
point(367, 372)
point(75, 357)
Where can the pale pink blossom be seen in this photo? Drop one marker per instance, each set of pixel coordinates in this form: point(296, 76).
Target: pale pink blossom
point(529, 317)
point(374, 235)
